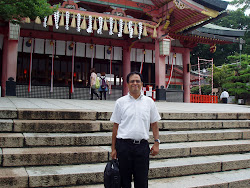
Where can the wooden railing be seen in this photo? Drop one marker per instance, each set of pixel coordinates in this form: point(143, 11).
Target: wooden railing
point(194, 98)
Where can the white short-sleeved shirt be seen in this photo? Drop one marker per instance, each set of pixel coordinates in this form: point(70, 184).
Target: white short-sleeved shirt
point(224, 94)
point(94, 77)
point(134, 117)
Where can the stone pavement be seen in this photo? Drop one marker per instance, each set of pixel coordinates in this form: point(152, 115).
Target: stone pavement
point(13, 103)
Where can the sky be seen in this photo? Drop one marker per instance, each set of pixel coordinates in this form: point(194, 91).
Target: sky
point(231, 7)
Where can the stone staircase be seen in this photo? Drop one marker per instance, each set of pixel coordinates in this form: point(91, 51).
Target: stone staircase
point(66, 148)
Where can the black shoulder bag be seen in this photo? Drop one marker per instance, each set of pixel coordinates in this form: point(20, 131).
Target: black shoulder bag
point(111, 175)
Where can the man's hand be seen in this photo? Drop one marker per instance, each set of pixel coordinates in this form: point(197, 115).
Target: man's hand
point(155, 149)
point(113, 154)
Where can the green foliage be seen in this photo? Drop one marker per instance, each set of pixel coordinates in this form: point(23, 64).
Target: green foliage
point(235, 20)
point(238, 3)
point(220, 75)
point(235, 77)
point(18, 9)
point(205, 90)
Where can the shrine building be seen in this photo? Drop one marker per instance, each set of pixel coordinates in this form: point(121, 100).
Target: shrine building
point(51, 57)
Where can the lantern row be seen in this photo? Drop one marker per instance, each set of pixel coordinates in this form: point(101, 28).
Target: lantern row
point(127, 27)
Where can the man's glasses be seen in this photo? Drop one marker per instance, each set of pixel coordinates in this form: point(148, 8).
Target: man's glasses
point(136, 81)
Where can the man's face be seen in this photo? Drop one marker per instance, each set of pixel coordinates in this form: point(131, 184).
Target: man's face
point(135, 84)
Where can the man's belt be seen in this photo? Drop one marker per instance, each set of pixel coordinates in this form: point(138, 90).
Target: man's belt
point(133, 141)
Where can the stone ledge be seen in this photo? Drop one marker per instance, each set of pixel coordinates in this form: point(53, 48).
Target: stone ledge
point(13, 177)
point(43, 114)
point(8, 140)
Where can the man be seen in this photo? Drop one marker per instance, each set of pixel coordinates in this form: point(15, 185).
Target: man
point(132, 117)
point(224, 96)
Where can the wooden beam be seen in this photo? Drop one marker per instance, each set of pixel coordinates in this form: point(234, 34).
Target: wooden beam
point(83, 39)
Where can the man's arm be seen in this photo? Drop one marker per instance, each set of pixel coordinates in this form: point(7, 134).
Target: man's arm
point(114, 133)
point(155, 148)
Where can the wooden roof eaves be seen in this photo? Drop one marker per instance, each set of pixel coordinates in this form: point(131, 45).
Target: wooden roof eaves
point(217, 37)
point(95, 14)
point(199, 38)
point(149, 9)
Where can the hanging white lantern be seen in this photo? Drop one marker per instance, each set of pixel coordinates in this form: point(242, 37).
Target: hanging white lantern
point(130, 29)
point(111, 26)
point(67, 21)
point(56, 18)
point(90, 29)
point(120, 28)
point(140, 30)
point(99, 31)
point(78, 27)
point(45, 21)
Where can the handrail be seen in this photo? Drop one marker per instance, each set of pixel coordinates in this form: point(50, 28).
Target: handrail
point(194, 98)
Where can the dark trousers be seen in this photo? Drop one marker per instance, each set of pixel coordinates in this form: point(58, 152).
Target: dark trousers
point(133, 160)
point(93, 91)
point(224, 100)
point(104, 94)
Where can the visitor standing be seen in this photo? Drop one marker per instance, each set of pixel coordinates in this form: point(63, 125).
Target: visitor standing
point(93, 78)
point(224, 96)
point(133, 115)
point(104, 85)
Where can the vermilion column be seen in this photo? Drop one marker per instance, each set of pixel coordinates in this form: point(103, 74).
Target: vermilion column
point(9, 64)
point(126, 68)
point(160, 66)
point(186, 75)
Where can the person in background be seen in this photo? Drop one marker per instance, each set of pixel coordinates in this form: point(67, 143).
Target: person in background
point(104, 85)
point(133, 115)
point(93, 78)
point(224, 96)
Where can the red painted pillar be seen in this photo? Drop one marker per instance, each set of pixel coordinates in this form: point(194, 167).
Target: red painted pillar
point(9, 63)
point(126, 68)
point(160, 66)
point(186, 75)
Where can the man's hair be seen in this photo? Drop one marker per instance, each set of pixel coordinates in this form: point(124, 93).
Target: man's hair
point(132, 73)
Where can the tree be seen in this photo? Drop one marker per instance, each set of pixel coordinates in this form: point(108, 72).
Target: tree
point(205, 90)
point(237, 82)
point(238, 3)
point(220, 75)
point(18, 9)
point(235, 20)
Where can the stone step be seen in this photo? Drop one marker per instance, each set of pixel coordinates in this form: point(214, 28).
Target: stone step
point(78, 114)
point(93, 126)
point(204, 115)
point(205, 148)
point(80, 155)
point(8, 140)
point(232, 179)
point(83, 174)
point(202, 124)
point(104, 138)
point(52, 156)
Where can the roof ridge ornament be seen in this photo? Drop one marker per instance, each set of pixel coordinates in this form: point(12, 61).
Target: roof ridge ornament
point(179, 4)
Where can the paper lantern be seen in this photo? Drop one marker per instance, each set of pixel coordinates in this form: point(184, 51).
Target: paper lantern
point(165, 46)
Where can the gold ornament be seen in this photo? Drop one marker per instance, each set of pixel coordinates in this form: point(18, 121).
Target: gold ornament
point(73, 22)
point(95, 25)
point(38, 20)
point(144, 33)
point(135, 29)
point(61, 20)
point(84, 25)
point(115, 30)
point(50, 22)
